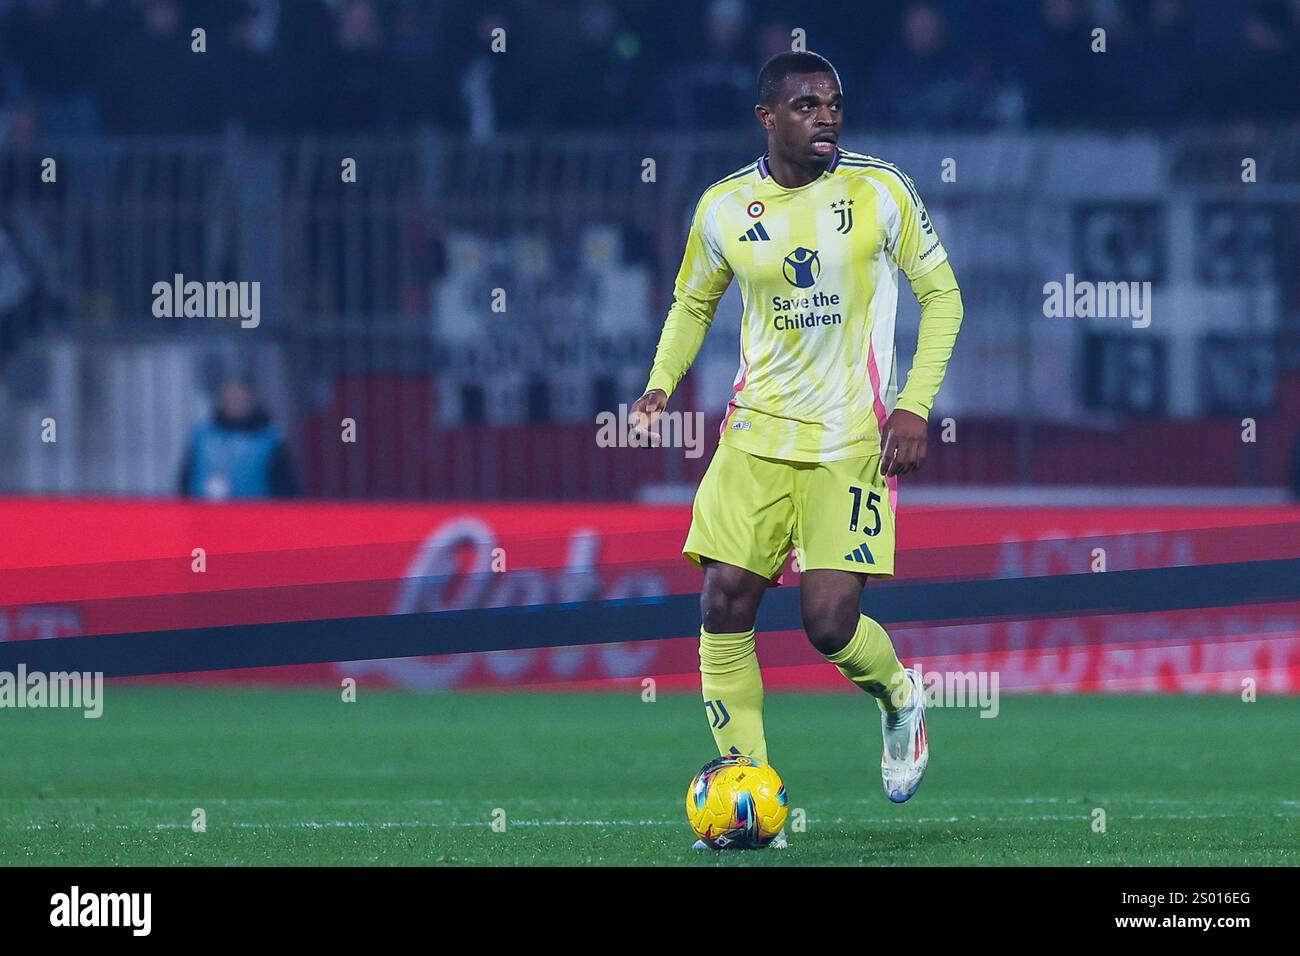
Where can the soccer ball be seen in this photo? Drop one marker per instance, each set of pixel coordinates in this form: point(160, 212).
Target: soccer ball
point(736, 801)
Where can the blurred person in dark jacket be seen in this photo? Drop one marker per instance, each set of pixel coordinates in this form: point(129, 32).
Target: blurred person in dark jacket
point(240, 453)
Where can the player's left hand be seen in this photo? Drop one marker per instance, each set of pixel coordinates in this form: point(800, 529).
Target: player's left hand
point(903, 451)
point(644, 417)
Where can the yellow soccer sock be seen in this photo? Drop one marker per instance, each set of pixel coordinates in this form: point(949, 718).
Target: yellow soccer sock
point(870, 662)
point(733, 692)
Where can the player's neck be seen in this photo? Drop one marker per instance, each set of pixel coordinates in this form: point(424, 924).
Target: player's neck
point(792, 175)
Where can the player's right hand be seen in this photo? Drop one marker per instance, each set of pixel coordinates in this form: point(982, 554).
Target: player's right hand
point(644, 414)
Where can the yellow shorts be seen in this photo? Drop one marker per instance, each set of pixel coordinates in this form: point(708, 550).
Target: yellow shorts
point(750, 511)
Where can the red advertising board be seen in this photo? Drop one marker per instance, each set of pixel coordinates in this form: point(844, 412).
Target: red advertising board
point(72, 567)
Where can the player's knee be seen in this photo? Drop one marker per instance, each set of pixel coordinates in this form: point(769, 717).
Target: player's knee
point(727, 614)
point(727, 610)
point(830, 625)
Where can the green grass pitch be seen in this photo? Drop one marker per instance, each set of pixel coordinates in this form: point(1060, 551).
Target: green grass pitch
point(300, 777)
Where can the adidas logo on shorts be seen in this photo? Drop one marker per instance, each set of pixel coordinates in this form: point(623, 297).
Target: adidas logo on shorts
point(861, 555)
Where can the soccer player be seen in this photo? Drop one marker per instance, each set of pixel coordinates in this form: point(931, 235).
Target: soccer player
point(815, 436)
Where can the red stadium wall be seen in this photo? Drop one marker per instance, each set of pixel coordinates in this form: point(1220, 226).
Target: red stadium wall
point(73, 567)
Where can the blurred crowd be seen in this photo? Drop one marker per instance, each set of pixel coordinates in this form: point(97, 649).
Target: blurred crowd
point(325, 66)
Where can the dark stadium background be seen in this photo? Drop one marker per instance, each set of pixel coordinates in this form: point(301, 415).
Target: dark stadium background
point(1171, 158)
point(522, 171)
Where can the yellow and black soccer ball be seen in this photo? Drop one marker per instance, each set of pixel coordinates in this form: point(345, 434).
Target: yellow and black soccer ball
point(736, 802)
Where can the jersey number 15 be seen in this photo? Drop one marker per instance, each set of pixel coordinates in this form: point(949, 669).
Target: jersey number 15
point(872, 498)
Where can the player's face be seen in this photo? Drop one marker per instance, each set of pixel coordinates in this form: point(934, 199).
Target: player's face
point(805, 120)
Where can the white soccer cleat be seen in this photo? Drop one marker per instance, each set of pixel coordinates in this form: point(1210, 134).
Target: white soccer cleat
point(907, 751)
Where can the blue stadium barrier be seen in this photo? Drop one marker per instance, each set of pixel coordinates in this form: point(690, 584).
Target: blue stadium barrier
point(642, 619)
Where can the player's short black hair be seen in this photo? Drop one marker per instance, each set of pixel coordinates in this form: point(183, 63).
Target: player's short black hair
point(771, 78)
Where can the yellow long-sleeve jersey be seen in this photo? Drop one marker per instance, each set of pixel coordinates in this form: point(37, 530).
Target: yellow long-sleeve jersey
point(818, 271)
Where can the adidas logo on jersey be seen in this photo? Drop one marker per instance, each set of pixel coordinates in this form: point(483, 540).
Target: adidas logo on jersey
point(755, 233)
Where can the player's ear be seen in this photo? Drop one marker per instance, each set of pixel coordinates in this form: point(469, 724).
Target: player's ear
point(764, 116)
